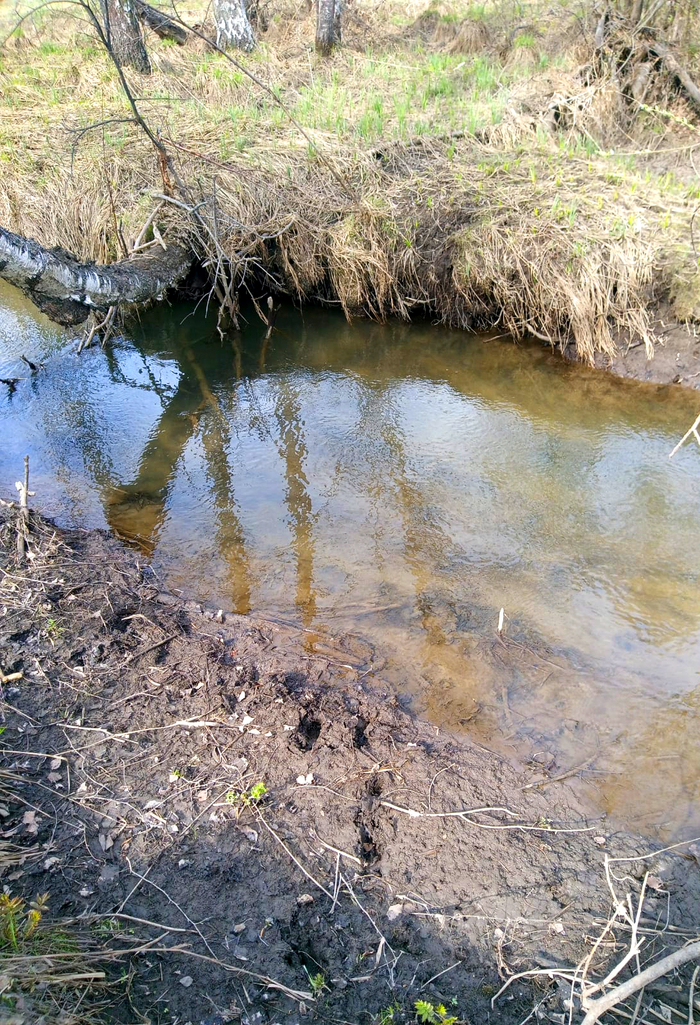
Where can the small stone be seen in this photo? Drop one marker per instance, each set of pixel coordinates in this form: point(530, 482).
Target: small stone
point(238, 929)
point(183, 863)
point(304, 898)
point(394, 912)
point(186, 981)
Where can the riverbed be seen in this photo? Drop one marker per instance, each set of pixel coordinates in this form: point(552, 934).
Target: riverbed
point(396, 486)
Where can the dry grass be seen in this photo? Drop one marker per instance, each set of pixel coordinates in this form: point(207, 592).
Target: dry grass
point(462, 197)
point(56, 973)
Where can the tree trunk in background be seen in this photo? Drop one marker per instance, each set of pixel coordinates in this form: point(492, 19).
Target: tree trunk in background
point(636, 12)
point(329, 16)
point(232, 25)
point(338, 22)
point(123, 34)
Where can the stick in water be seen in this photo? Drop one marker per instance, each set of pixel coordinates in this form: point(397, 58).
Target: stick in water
point(23, 515)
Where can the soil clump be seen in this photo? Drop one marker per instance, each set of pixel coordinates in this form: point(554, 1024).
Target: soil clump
point(246, 799)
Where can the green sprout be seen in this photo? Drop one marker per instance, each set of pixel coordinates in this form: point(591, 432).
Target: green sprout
point(246, 798)
point(430, 1014)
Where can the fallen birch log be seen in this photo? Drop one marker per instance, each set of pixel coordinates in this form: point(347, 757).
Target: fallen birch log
point(67, 290)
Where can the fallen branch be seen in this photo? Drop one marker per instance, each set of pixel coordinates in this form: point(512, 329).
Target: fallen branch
point(596, 1008)
point(466, 812)
point(664, 52)
point(160, 23)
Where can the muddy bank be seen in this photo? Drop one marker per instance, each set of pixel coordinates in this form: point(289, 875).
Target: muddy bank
point(676, 358)
point(252, 795)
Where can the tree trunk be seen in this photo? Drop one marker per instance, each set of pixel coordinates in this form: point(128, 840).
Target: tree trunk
point(66, 290)
point(123, 34)
point(232, 25)
point(636, 12)
point(160, 23)
point(329, 14)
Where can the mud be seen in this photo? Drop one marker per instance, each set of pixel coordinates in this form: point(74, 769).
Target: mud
point(255, 788)
point(676, 358)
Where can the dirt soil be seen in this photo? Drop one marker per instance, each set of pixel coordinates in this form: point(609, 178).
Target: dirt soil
point(251, 795)
point(676, 358)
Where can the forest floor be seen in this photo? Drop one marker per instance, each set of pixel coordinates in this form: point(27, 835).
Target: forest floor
point(484, 164)
point(218, 820)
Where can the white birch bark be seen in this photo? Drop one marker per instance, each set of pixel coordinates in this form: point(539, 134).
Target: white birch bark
point(54, 279)
point(329, 15)
point(233, 28)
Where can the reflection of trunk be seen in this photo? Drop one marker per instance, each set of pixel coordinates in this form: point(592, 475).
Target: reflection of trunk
point(216, 441)
point(123, 34)
point(160, 23)
point(66, 290)
point(329, 17)
point(230, 536)
point(232, 25)
point(297, 498)
point(136, 512)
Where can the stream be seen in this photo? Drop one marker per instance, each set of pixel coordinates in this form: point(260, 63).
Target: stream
point(397, 486)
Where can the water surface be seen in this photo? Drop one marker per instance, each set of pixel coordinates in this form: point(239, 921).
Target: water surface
point(400, 485)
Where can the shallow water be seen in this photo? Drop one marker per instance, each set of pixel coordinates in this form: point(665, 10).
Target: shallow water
point(401, 485)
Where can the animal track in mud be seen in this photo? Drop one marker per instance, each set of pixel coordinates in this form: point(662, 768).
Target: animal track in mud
point(359, 733)
point(308, 732)
point(370, 853)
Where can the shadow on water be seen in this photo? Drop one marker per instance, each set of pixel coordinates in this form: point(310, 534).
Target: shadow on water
point(400, 485)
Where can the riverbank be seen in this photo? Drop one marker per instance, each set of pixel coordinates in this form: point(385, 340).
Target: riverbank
point(439, 164)
point(234, 818)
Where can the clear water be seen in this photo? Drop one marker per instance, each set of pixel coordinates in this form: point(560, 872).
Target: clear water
point(397, 486)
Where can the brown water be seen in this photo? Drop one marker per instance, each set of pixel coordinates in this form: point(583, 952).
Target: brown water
point(399, 485)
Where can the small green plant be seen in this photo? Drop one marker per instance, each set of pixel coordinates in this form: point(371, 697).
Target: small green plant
point(18, 923)
point(246, 798)
point(386, 1015)
point(433, 1014)
point(317, 983)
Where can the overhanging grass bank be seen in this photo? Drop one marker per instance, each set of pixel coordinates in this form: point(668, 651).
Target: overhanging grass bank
point(479, 216)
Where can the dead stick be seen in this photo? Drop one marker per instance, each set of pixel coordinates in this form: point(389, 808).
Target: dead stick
point(23, 515)
point(691, 430)
point(596, 1008)
point(151, 647)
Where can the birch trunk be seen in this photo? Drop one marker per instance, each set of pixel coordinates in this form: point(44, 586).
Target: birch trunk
point(233, 28)
point(67, 290)
point(123, 34)
point(329, 15)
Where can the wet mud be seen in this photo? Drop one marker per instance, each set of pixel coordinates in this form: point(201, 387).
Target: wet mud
point(249, 797)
